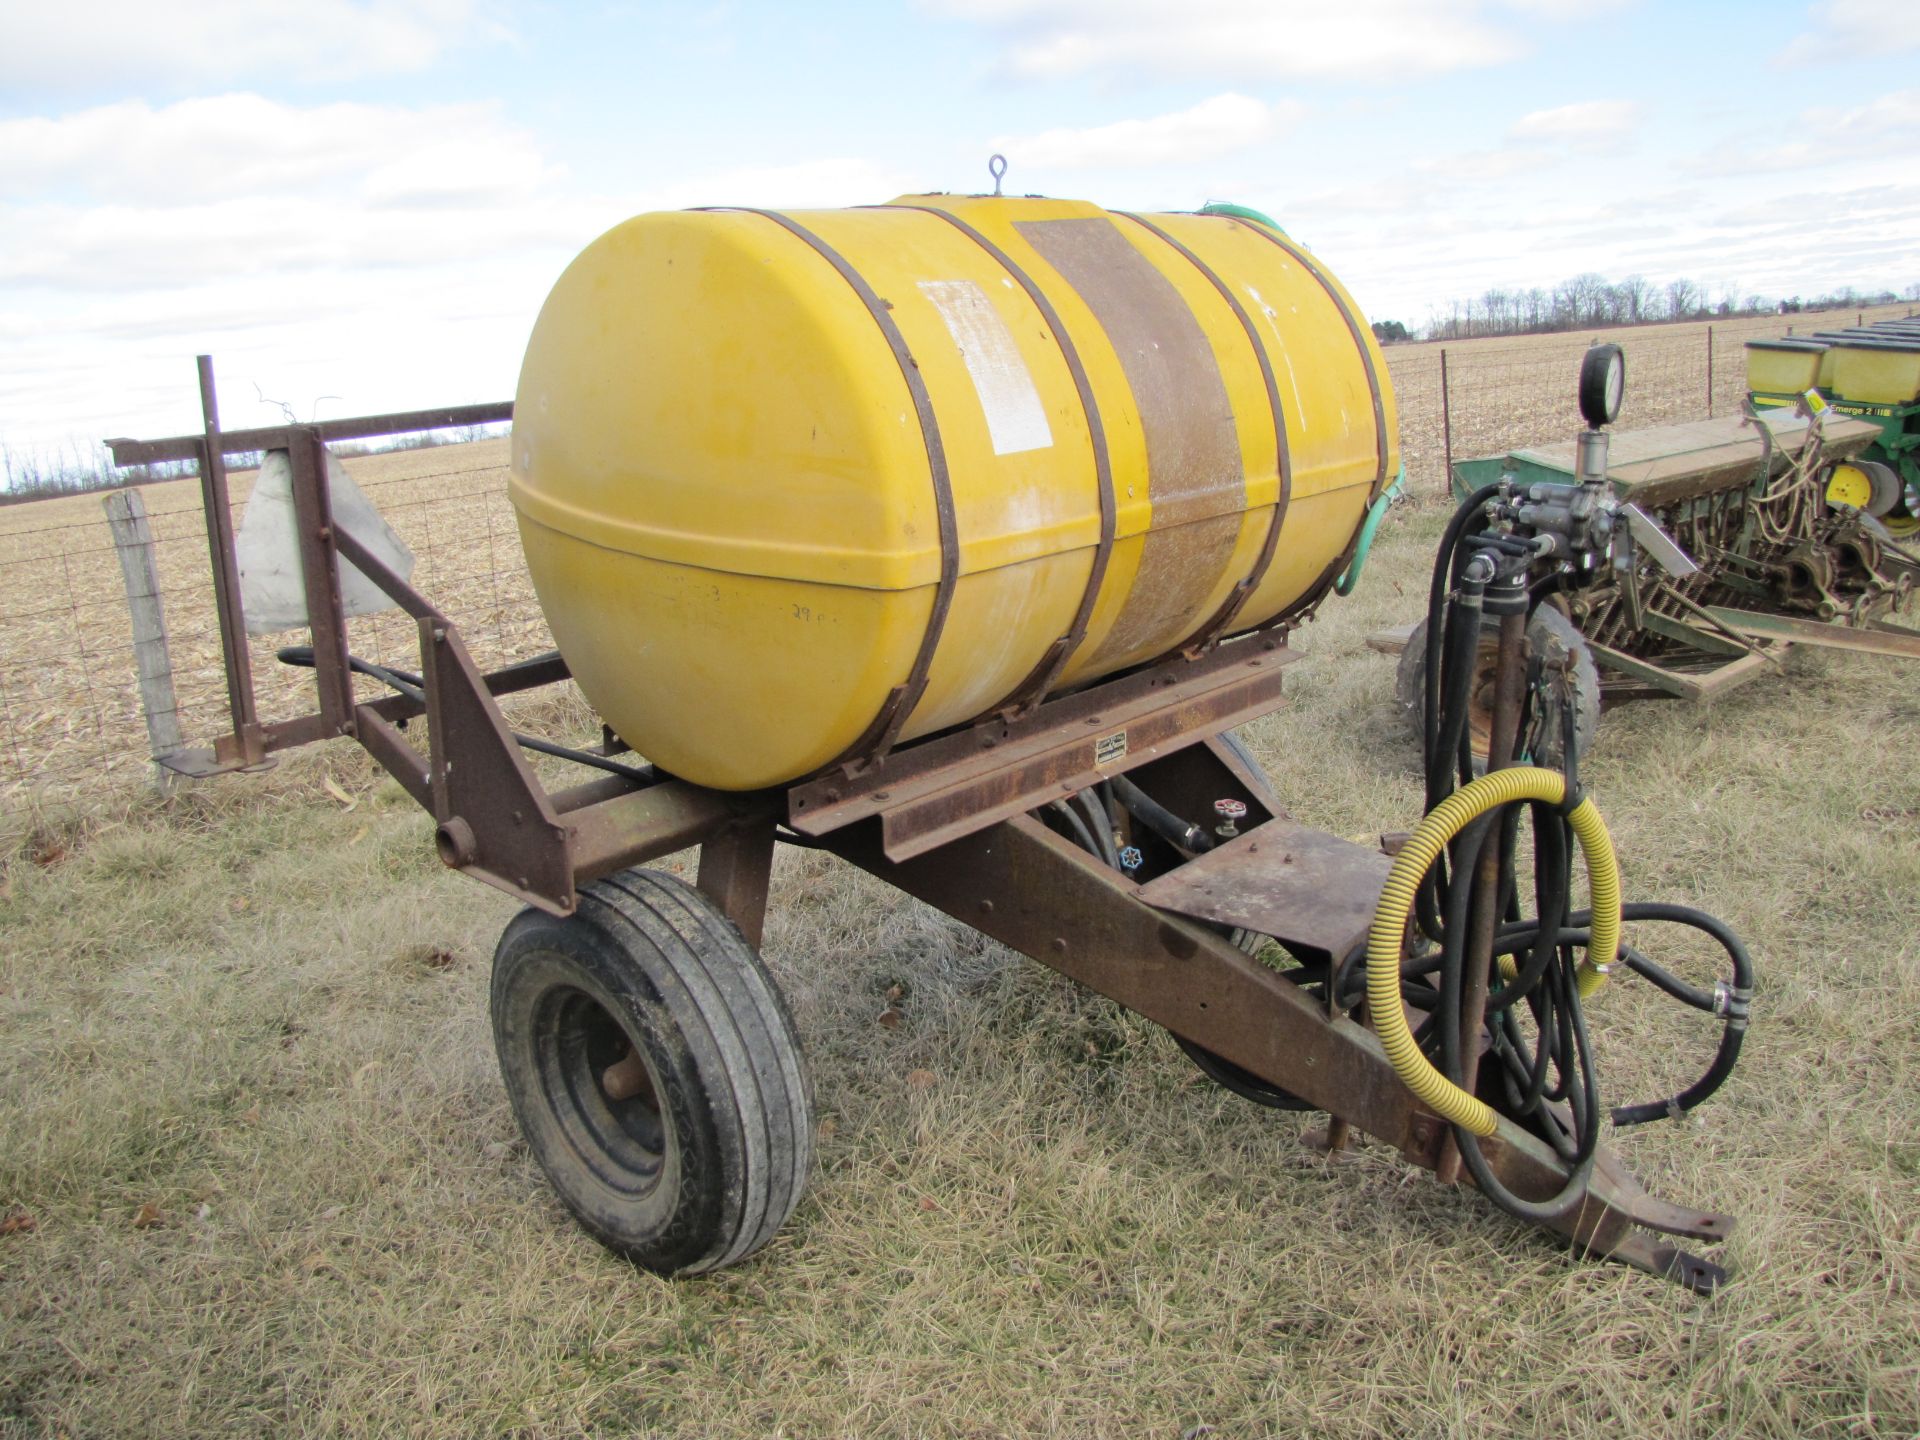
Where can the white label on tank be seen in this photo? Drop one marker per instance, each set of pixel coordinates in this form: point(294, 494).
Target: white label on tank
point(1015, 418)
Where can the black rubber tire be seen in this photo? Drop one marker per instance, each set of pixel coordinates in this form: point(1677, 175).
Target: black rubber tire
point(1232, 1078)
point(1263, 791)
point(700, 1173)
point(1549, 632)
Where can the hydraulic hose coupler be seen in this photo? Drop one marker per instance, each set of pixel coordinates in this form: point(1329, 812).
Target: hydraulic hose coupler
point(1476, 576)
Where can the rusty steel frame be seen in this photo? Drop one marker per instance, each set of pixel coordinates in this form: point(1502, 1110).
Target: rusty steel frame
point(946, 787)
point(945, 820)
point(250, 742)
point(1036, 892)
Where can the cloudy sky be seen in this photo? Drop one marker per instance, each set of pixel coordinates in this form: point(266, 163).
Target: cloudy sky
point(358, 205)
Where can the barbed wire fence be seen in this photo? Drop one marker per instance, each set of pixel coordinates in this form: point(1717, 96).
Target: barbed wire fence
point(73, 725)
point(71, 714)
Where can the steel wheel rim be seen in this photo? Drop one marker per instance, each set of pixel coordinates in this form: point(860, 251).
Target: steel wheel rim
point(576, 1039)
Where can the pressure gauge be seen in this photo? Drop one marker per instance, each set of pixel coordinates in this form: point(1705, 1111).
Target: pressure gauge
point(1603, 383)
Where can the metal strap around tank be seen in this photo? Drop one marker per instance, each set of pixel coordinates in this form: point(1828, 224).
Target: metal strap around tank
point(1354, 328)
point(878, 737)
point(1223, 618)
point(1032, 690)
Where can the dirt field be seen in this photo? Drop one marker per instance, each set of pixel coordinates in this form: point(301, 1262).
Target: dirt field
point(68, 690)
point(260, 1177)
point(70, 719)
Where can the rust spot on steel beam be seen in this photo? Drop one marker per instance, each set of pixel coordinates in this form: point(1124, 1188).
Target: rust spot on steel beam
point(1281, 879)
point(320, 571)
point(934, 792)
point(735, 866)
point(1173, 971)
point(478, 777)
point(1029, 888)
point(644, 823)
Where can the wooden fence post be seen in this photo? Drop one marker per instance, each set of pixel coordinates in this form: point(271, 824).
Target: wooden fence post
point(133, 541)
point(1709, 372)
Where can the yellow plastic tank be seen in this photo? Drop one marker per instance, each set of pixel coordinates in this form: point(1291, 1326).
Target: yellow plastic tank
point(1877, 372)
point(795, 487)
point(1784, 367)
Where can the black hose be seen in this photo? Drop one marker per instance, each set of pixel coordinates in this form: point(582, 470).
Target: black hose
point(406, 683)
point(1081, 835)
point(1540, 957)
point(1451, 745)
point(1731, 1003)
point(1557, 1064)
point(1469, 513)
point(1100, 823)
point(1160, 820)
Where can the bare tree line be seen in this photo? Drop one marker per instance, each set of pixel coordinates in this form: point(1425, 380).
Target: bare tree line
point(76, 468)
point(1591, 300)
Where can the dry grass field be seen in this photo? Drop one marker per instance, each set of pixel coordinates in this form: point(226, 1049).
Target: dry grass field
point(258, 1175)
point(1511, 391)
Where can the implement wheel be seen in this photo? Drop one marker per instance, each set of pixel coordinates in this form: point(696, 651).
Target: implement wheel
point(1221, 1071)
point(1569, 678)
point(654, 1070)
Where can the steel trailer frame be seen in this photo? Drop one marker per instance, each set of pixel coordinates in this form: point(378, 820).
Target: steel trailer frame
point(947, 820)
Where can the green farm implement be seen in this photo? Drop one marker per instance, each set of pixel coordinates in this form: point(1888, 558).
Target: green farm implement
point(1746, 536)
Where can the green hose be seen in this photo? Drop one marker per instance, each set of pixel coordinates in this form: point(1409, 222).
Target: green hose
point(1350, 576)
point(1240, 212)
point(1387, 938)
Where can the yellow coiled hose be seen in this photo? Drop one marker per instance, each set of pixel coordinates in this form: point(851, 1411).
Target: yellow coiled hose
point(1387, 939)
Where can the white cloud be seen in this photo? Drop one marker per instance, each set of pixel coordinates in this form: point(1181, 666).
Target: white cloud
point(1471, 166)
point(393, 255)
point(1385, 40)
point(1888, 125)
point(125, 196)
point(1566, 9)
point(1213, 127)
point(245, 144)
point(1845, 31)
point(1742, 157)
point(72, 44)
point(1897, 113)
point(1586, 125)
point(808, 184)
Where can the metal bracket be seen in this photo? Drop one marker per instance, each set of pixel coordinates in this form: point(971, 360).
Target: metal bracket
point(495, 820)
